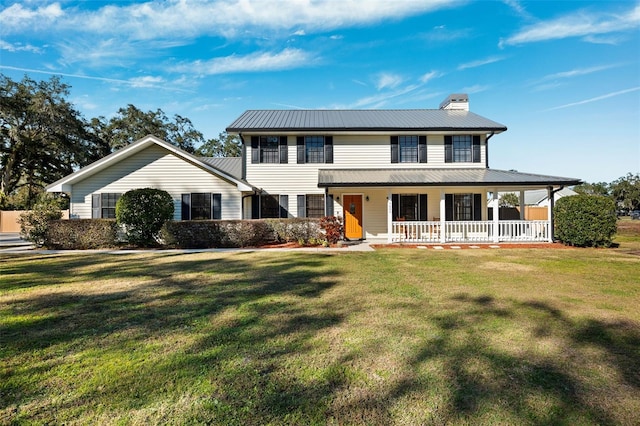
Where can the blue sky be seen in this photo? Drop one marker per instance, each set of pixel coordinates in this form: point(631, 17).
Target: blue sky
point(563, 76)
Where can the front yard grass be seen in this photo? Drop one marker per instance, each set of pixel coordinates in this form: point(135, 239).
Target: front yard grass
point(510, 336)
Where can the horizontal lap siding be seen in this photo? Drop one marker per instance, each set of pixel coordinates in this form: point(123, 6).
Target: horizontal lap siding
point(155, 167)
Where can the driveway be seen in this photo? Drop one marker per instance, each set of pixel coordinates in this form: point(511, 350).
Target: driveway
point(11, 241)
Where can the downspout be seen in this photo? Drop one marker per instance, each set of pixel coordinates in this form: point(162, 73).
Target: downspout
point(244, 157)
point(486, 149)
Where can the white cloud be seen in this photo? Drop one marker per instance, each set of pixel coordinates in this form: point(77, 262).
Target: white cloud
point(429, 76)
point(579, 24)
point(18, 47)
point(180, 18)
point(300, 33)
point(597, 98)
point(518, 8)
point(16, 17)
point(387, 81)
point(147, 81)
point(476, 88)
point(255, 62)
point(578, 72)
point(480, 62)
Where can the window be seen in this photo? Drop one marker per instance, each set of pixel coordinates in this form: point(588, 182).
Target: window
point(311, 205)
point(409, 207)
point(408, 149)
point(461, 207)
point(269, 149)
point(103, 206)
point(462, 149)
point(315, 149)
point(201, 206)
point(269, 206)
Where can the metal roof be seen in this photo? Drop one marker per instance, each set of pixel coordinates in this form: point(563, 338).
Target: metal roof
point(230, 165)
point(436, 177)
point(362, 120)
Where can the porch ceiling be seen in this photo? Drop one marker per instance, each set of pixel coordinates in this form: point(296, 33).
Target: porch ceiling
point(437, 177)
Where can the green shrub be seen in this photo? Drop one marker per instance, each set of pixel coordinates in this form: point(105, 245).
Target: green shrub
point(585, 220)
point(81, 234)
point(142, 212)
point(192, 234)
point(35, 222)
point(297, 229)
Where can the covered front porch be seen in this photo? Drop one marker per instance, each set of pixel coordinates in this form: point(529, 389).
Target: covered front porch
point(439, 206)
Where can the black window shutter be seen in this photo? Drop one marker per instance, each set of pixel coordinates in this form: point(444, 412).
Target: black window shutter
point(448, 207)
point(476, 149)
point(284, 150)
point(328, 149)
point(395, 152)
point(186, 206)
point(328, 209)
point(255, 149)
point(448, 149)
point(216, 206)
point(477, 206)
point(395, 206)
point(422, 149)
point(255, 207)
point(300, 145)
point(96, 206)
point(422, 206)
point(284, 206)
point(302, 206)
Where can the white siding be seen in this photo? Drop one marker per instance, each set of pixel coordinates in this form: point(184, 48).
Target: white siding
point(155, 167)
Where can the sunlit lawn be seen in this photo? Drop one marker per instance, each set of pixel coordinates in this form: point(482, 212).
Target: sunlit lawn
point(509, 336)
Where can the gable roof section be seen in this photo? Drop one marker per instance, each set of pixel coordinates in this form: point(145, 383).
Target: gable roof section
point(64, 184)
point(362, 120)
point(229, 165)
point(436, 177)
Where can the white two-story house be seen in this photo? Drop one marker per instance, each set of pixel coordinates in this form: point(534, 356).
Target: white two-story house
point(395, 175)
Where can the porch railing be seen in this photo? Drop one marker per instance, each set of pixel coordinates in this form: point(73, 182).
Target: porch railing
point(470, 231)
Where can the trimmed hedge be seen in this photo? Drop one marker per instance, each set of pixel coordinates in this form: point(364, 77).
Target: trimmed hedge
point(236, 233)
point(585, 220)
point(81, 234)
point(143, 212)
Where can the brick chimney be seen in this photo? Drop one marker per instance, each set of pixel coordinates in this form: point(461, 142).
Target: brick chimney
point(459, 101)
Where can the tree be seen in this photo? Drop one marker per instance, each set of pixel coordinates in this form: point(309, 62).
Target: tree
point(35, 223)
point(598, 188)
point(509, 199)
point(131, 124)
point(42, 136)
point(225, 145)
point(626, 191)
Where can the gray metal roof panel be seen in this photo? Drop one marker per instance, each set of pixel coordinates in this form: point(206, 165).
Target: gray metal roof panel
point(435, 177)
point(229, 165)
point(362, 120)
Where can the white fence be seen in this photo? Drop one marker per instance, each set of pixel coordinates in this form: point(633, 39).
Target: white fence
point(470, 231)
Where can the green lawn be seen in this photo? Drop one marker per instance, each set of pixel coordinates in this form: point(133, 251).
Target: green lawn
point(509, 336)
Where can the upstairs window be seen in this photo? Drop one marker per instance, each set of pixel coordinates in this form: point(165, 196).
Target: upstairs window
point(462, 149)
point(408, 149)
point(269, 149)
point(315, 149)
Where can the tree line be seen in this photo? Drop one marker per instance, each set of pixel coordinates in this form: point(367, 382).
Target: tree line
point(43, 137)
point(625, 191)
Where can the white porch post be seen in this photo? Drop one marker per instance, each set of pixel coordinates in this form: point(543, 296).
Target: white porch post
point(496, 216)
point(550, 212)
point(522, 217)
point(389, 217)
point(443, 218)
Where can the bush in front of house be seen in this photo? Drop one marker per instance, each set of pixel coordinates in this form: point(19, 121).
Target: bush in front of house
point(333, 228)
point(302, 230)
point(585, 220)
point(35, 222)
point(142, 212)
point(82, 234)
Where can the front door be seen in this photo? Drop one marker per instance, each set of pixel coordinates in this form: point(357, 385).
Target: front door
point(352, 205)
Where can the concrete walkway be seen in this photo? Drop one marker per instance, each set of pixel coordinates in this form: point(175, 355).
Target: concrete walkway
point(12, 243)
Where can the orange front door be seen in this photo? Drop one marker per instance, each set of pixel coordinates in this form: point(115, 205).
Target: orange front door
point(352, 205)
